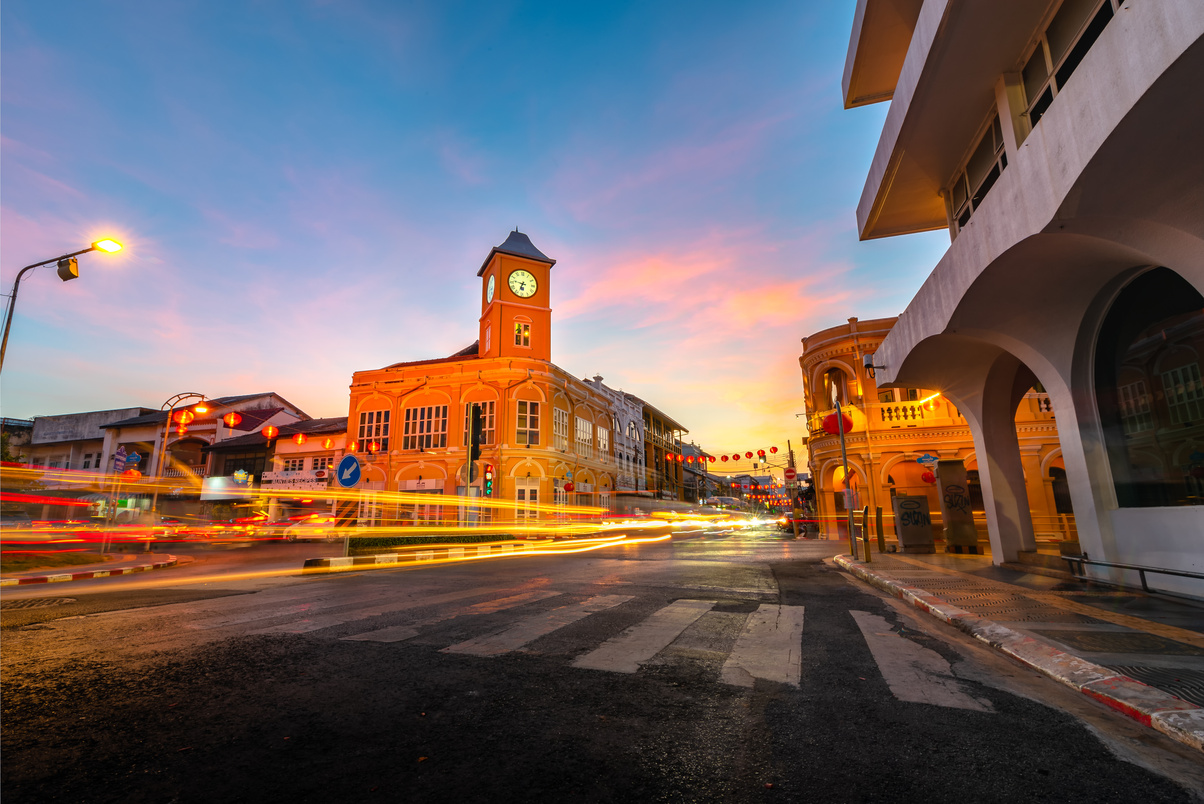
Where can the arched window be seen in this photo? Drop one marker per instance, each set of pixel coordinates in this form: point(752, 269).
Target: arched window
point(1149, 391)
point(835, 386)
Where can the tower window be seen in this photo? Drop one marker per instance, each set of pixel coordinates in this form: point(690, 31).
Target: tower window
point(522, 334)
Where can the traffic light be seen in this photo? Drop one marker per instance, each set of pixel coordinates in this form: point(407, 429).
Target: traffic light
point(476, 432)
point(488, 480)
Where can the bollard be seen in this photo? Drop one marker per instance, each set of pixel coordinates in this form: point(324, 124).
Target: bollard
point(865, 533)
point(878, 525)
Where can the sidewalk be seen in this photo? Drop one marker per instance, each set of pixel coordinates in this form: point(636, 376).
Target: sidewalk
point(1143, 655)
point(124, 565)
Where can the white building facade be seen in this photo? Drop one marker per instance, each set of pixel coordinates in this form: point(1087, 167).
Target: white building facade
point(1058, 142)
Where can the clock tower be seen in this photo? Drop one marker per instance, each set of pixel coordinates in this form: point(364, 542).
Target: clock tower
point(516, 311)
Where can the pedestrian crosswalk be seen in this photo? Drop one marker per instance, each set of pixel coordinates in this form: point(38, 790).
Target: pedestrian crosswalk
point(737, 641)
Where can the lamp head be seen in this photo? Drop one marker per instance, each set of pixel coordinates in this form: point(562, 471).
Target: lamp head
point(68, 269)
point(107, 244)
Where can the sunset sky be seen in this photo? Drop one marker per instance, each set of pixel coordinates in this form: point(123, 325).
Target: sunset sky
point(307, 189)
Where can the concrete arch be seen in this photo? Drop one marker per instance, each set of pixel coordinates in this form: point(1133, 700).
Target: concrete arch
point(1047, 461)
point(884, 471)
point(491, 392)
point(437, 396)
point(373, 401)
point(527, 466)
point(537, 393)
point(832, 464)
point(822, 368)
point(424, 468)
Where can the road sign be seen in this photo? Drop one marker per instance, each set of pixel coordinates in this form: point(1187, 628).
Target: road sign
point(348, 471)
point(119, 460)
point(790, 473)
point(132, 459)
point(927, 459)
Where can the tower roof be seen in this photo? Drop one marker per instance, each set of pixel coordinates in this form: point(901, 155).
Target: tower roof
point(517, 245)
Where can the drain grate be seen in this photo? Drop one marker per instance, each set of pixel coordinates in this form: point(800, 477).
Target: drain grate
point(1121, 642)
point(1181, 682)
point(35, 603)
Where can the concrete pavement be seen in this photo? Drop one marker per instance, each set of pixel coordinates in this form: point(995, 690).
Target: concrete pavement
point(1142, 655)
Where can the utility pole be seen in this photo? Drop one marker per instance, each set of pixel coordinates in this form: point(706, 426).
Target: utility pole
point(795, 511)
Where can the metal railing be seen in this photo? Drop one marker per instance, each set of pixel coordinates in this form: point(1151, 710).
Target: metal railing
point(1140, 570)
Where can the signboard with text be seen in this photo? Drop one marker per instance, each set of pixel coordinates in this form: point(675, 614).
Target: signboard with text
point(296, 480)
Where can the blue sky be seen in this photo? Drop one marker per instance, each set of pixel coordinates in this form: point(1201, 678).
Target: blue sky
point(308, 189)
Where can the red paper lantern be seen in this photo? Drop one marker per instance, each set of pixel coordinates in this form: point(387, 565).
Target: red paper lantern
point(736, 456)
point(832, 428)
point(568, 486)
point(928, 477)
point(725, 459)
point(271, 431)
point(760, 453)
point(181, 430)
point(232, 419)
point(132, 474)
point(300, 438)
point(328, 443)
point(748, 455)
point(183, 416)
point(355, 446)
point(774, 450)
point(712, 458)
point(374, 446)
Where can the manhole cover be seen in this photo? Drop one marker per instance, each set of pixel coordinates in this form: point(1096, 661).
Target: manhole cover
point(1120, 642)
point(35, 602)
point(1182, 682)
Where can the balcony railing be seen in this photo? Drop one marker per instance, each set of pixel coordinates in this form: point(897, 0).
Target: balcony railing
point(887, 415)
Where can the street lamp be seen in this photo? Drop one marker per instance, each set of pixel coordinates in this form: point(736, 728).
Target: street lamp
point(68, 270)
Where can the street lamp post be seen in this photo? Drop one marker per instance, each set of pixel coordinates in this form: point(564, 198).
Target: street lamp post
point(68, 270)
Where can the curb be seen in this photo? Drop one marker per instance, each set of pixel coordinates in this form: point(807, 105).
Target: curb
point(1149, 706)
point(468, 551)
point(169, 561)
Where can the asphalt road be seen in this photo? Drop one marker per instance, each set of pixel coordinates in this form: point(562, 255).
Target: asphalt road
point(725, 668)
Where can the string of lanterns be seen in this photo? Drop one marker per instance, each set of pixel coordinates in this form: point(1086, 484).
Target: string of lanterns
point(760, 454)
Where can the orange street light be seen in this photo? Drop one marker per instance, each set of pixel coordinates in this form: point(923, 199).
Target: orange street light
point(68, 270)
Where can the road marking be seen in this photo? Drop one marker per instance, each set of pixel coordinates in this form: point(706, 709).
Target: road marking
point(300, 612)
point(533, 628)
point(626, 652)
point(769, 648)
point(913, 672)
point(399, 633)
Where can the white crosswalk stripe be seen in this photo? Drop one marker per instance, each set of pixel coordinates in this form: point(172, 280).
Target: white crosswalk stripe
point(400, 633)
point(769, 648)
point(913, 672)
point(626, 652)
point(308, 622)
point(532, 628)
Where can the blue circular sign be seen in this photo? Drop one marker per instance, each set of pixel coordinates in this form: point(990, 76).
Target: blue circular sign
point(348, 471)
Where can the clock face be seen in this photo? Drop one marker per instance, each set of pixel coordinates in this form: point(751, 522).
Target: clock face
point(523, 284)
point(489, 288)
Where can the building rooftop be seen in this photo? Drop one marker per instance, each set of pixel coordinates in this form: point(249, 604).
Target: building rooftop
point(333, 425)
point(517, 245)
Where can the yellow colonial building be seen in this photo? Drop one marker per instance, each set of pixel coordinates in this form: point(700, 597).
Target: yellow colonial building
point(892, 429)
point(548, 436)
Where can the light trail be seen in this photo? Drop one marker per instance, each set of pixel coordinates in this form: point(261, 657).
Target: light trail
point(538, 549)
